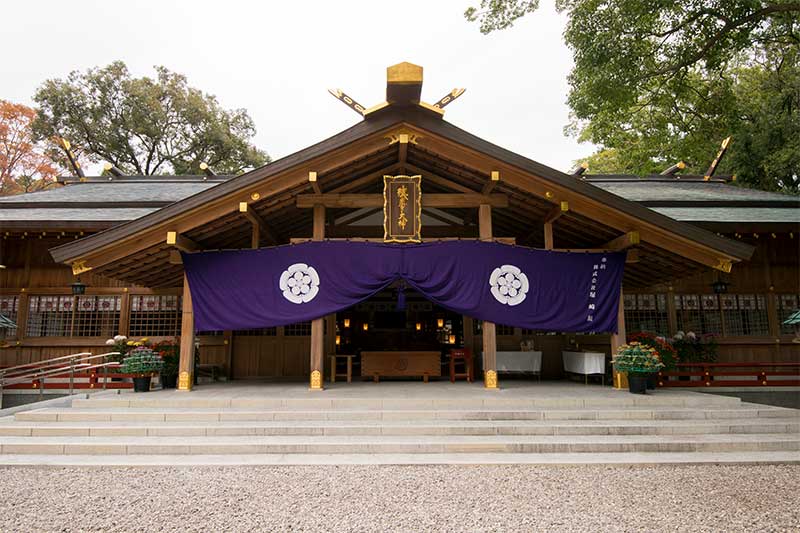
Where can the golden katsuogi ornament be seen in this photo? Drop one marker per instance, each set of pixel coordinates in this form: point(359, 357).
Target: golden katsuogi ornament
point(402, 208)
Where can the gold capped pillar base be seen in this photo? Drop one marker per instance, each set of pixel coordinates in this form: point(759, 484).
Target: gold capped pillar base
point(620, 380)
point(490, 379)
point(184, 381)
point(316, 380)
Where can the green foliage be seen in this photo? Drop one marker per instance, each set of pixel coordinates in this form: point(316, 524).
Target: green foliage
point(658, 81)
point(636, 358)
point(142, 361)
point(146, 126)
point(664, 350)
point(693, 348)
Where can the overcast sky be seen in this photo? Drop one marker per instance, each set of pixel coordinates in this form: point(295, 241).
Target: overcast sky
point(277, 60)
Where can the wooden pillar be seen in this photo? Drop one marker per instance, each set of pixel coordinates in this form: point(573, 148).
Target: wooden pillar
point(23, 306)
point(318, 324)
point(489, 331)
point(227, 340)
point(672, 314)
point(255, 237)
point(617, 340)
point(124, 313)
point(548, 236)
point(186, 364)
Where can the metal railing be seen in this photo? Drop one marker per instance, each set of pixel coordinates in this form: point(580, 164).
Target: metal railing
point(764, 374)
point(74, 366)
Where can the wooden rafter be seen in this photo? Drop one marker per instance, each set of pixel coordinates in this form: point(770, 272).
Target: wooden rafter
point(622, 242)
point(181, 242)
point(494, 179)
point(312, 179)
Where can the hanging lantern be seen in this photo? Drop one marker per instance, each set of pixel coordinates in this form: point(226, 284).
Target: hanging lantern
point(78, 288)
point(347, 322)
point(338, 340)
point(365, 326)
point(419, 326)
point(720, 287)
point(440, 323)
point(452, 339)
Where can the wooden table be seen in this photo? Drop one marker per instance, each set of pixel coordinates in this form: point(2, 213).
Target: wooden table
point(401, 364)
point(348, 374)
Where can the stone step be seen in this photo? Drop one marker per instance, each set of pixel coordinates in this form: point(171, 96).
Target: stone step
point(396, 444)
point(388, 427)
point(179, 400)
point(213, 415)
point(554, 459)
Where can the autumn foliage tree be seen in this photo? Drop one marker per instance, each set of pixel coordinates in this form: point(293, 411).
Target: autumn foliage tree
point(25, 164)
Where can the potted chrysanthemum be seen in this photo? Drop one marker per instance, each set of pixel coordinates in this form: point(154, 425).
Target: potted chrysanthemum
point(143, 363)
point(639, 361)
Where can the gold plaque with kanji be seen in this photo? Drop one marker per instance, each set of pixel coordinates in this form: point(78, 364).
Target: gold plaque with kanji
point(402, 208)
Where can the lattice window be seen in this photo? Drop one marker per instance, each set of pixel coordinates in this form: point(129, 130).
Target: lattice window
point(97, 316)
point(646, 312)
point(211, 333)
point(787, 305)
point(155, 315)
point(698, 313)
point(261, 332)
point(745, 314)
point(504, 330)
point(58, 316)
point(300, 329)
point(9, 308)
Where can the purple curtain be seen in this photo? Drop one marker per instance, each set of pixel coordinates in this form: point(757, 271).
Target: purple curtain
point(511, 285)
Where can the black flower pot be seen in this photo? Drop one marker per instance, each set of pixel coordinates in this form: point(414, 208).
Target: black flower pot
point(141, 384)
point(637, 383)
point(652, 381)
point(169, 382)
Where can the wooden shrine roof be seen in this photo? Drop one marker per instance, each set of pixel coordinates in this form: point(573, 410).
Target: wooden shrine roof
point(353, 161)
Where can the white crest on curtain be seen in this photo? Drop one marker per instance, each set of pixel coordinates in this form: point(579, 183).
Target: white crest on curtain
point(299, 283)
point(509, 284)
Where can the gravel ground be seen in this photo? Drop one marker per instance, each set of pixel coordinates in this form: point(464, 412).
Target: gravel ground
point(396, 498)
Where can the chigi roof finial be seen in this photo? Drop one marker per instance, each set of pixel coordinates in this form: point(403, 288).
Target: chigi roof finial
point(403, 89)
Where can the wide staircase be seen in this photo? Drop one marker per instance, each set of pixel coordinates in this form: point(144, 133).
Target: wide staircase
point(179, 429)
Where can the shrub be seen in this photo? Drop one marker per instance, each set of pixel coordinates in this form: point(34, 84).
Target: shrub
point(637, 358)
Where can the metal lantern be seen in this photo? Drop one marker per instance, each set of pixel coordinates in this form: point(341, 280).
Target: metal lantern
point(720, 287)
point(78, 288)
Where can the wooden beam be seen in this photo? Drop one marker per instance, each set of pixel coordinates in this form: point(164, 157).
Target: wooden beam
point(175, 257)
point(556, 212)
point(402, 150)
point(623, 241)
point(181, 243)
point(439, 180)
point(357, 201)
point(504, 240)
point(312, 179)
point(259, 225)
point(363, 180)
point(495, 178)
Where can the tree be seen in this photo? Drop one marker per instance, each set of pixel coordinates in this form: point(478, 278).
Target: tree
point(658, 81)
point(146, 126)
point(25, 165)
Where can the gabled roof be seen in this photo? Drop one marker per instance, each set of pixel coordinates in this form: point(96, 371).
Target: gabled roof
point(353, 161)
